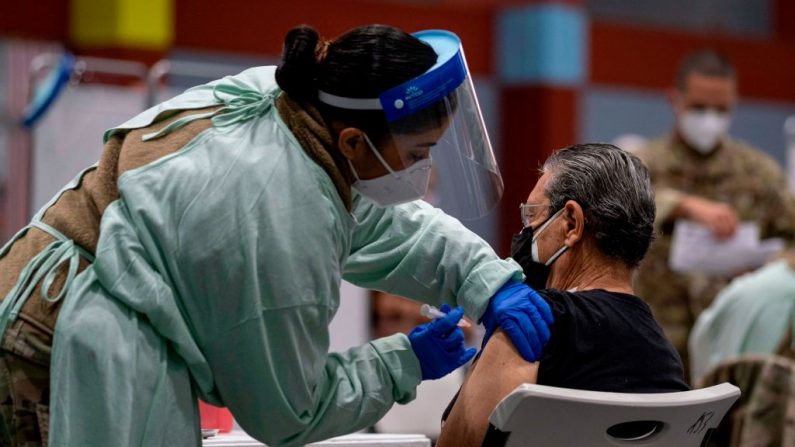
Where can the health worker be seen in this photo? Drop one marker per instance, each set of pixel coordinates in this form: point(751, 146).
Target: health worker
point(202, 256)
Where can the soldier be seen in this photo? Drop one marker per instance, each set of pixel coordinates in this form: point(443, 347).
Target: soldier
point(701, 174)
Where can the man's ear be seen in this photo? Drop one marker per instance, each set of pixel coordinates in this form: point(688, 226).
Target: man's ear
point(352, 144)
point(574, 218)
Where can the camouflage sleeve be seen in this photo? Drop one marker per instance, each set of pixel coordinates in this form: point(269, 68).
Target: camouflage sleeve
point(777, 202)
point(666, 197)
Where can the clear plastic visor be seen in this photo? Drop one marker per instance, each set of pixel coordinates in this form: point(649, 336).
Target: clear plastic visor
point(466, 182)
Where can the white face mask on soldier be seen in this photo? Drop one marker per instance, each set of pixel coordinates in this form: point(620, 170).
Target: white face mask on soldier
point(396, 187)
point(703, 129)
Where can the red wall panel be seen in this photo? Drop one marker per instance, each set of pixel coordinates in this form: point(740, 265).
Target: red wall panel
point(648, 58)
point(784, 17)
point(535, 120)
point(38, 19)
point(259, 27)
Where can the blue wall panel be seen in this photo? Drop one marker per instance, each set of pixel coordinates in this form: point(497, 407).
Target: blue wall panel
point(542, 44)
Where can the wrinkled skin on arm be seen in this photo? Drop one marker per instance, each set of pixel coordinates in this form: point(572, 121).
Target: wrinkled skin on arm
point(499, 371)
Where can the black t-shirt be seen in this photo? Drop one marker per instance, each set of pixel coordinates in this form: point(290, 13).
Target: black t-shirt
point(605, 341)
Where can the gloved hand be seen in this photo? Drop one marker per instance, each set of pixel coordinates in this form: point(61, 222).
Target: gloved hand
point(523, 315)
point(439, 345)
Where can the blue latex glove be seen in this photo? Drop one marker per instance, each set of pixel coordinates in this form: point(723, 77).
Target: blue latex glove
point(523, 315)
point(439, 345)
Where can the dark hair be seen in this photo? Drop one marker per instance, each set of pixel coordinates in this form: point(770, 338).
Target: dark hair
point(613, 188)
point(361, 63)
point(704, 62)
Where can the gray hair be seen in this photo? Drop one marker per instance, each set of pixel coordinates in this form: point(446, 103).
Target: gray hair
point(613, 188)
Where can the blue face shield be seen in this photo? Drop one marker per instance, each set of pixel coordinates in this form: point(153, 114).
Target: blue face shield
point(439, 109)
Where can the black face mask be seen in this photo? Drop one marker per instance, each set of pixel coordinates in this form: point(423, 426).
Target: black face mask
point(536, 273)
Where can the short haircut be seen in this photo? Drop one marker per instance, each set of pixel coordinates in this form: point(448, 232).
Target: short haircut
point(614, 190)
point(704, 62)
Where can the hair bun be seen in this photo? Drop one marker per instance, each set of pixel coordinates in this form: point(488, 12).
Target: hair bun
point(296, 72)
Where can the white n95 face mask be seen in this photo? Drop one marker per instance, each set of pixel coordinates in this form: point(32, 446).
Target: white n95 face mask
point(396, 187)
point(703, 129)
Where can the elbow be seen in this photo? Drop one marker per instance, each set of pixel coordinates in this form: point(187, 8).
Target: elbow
point(273, 437)
point(274, 433)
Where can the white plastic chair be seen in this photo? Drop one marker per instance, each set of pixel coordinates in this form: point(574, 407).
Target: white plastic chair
point(239, 438)
point(551, 417)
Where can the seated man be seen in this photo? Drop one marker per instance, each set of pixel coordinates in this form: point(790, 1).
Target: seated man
point(587, 224)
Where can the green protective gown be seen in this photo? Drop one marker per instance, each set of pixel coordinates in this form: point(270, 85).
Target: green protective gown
point(752, 315)
point(217, 274)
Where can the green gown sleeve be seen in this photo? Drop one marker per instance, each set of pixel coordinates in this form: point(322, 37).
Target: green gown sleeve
point(290, 392)
point(417, 251)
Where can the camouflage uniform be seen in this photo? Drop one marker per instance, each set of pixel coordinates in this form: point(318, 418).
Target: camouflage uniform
point(763, 415)
point(735, 174)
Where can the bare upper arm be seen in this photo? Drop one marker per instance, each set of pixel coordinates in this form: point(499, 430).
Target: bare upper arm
point(499, 371)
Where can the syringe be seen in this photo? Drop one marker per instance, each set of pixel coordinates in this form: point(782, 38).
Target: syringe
point(432, 312)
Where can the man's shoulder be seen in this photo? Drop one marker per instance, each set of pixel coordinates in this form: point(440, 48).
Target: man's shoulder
point(740, 146)
point(654, 145)
point(657, 150)
point(752, 156)
point(576, 304)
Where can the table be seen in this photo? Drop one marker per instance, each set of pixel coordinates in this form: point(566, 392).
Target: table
point(238, 438)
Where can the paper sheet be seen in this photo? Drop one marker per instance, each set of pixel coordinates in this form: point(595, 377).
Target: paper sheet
point(695, 250)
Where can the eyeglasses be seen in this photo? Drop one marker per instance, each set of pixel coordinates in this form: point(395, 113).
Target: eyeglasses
point(528, 212)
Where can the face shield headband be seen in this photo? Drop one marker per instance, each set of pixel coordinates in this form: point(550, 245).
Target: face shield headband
point(434, 85)
point(440, 105)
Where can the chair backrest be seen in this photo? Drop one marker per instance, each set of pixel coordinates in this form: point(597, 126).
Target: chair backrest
point(550, 416)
